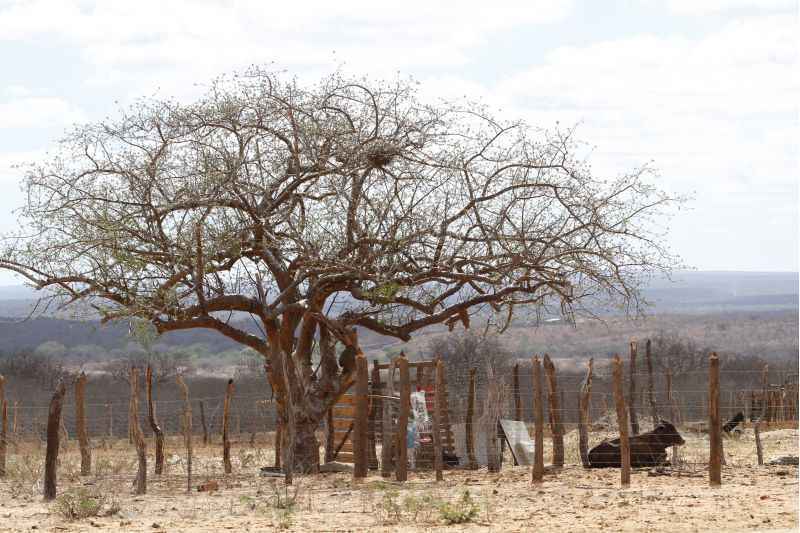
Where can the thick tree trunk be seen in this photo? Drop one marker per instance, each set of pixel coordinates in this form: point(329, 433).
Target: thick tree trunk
point(305, 447)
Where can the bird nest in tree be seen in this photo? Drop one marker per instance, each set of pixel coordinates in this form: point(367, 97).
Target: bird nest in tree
point(379, 153)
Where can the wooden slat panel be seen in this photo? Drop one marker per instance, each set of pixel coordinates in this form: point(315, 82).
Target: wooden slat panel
point(345, 457)
point(342, 411)
point(342, 424)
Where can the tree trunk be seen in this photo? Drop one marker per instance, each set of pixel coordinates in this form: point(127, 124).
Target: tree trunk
point(151, 417)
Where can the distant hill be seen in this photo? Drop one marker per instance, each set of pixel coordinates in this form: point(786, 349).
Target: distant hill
point(707, 293)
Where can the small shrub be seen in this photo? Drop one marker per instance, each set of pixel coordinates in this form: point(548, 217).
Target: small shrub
point(82, 503)
point(463, 510)
point(389, 509)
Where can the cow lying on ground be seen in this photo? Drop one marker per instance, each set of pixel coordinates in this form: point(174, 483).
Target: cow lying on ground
point(731, 424)
point(647, 449)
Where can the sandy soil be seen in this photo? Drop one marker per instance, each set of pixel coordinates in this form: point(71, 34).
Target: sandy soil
point(572, 499)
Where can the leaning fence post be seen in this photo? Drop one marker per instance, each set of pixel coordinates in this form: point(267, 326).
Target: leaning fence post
point(53, 436)
point(714, 428)
point(555, 413)
point(622, 422)
point(632, 391)
point(136, 434)
point(80, 425)
point(360, 421)
point(401, 468)
point(538, 420)
point(437, 419)
point(187, 430)
point(472, 463)
point(226, 443)
point(583, 423)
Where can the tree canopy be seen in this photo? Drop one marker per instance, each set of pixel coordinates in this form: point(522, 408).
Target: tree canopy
point(319, 209)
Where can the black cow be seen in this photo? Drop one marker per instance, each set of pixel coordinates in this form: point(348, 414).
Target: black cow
point(731, 424)
point(647, 449)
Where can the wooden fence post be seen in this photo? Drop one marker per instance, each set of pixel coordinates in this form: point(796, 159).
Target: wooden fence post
point(53, 437)
point(673, 412)
point(555, 413)
point(538, 420)
point(3, 435)
point(388, 438)
point(648, 354)
point(226, 443)
point(375, 411)
point(517, 396)
point(583, 423)
point(80, 425)
point(203, 423)
point(714, 427)
point(14, 428)
point(757, 425)
point(361, 418)
point(187, 430)
point(151, 417)
point(136, 434)
point(632, 390)
point(401, 468)
point(110, 409)
point(3, 426)
point(437, 419)
point(472, 463)
point(622, 422)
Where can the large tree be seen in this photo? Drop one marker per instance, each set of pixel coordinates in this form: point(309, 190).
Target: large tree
point(320, 210)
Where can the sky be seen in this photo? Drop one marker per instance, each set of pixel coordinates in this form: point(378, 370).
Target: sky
point(705, 89)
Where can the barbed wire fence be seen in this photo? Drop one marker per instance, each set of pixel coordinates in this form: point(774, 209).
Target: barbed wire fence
point(771, 397)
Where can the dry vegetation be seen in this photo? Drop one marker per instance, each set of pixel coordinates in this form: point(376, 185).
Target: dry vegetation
point(572, 499)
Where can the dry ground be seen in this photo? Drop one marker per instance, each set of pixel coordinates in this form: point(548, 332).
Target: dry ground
point(572, 499)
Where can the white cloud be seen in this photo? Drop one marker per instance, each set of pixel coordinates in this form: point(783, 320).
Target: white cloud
point(718, 114)
point(38, 112)
point(705, 7)
point(196, 39)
